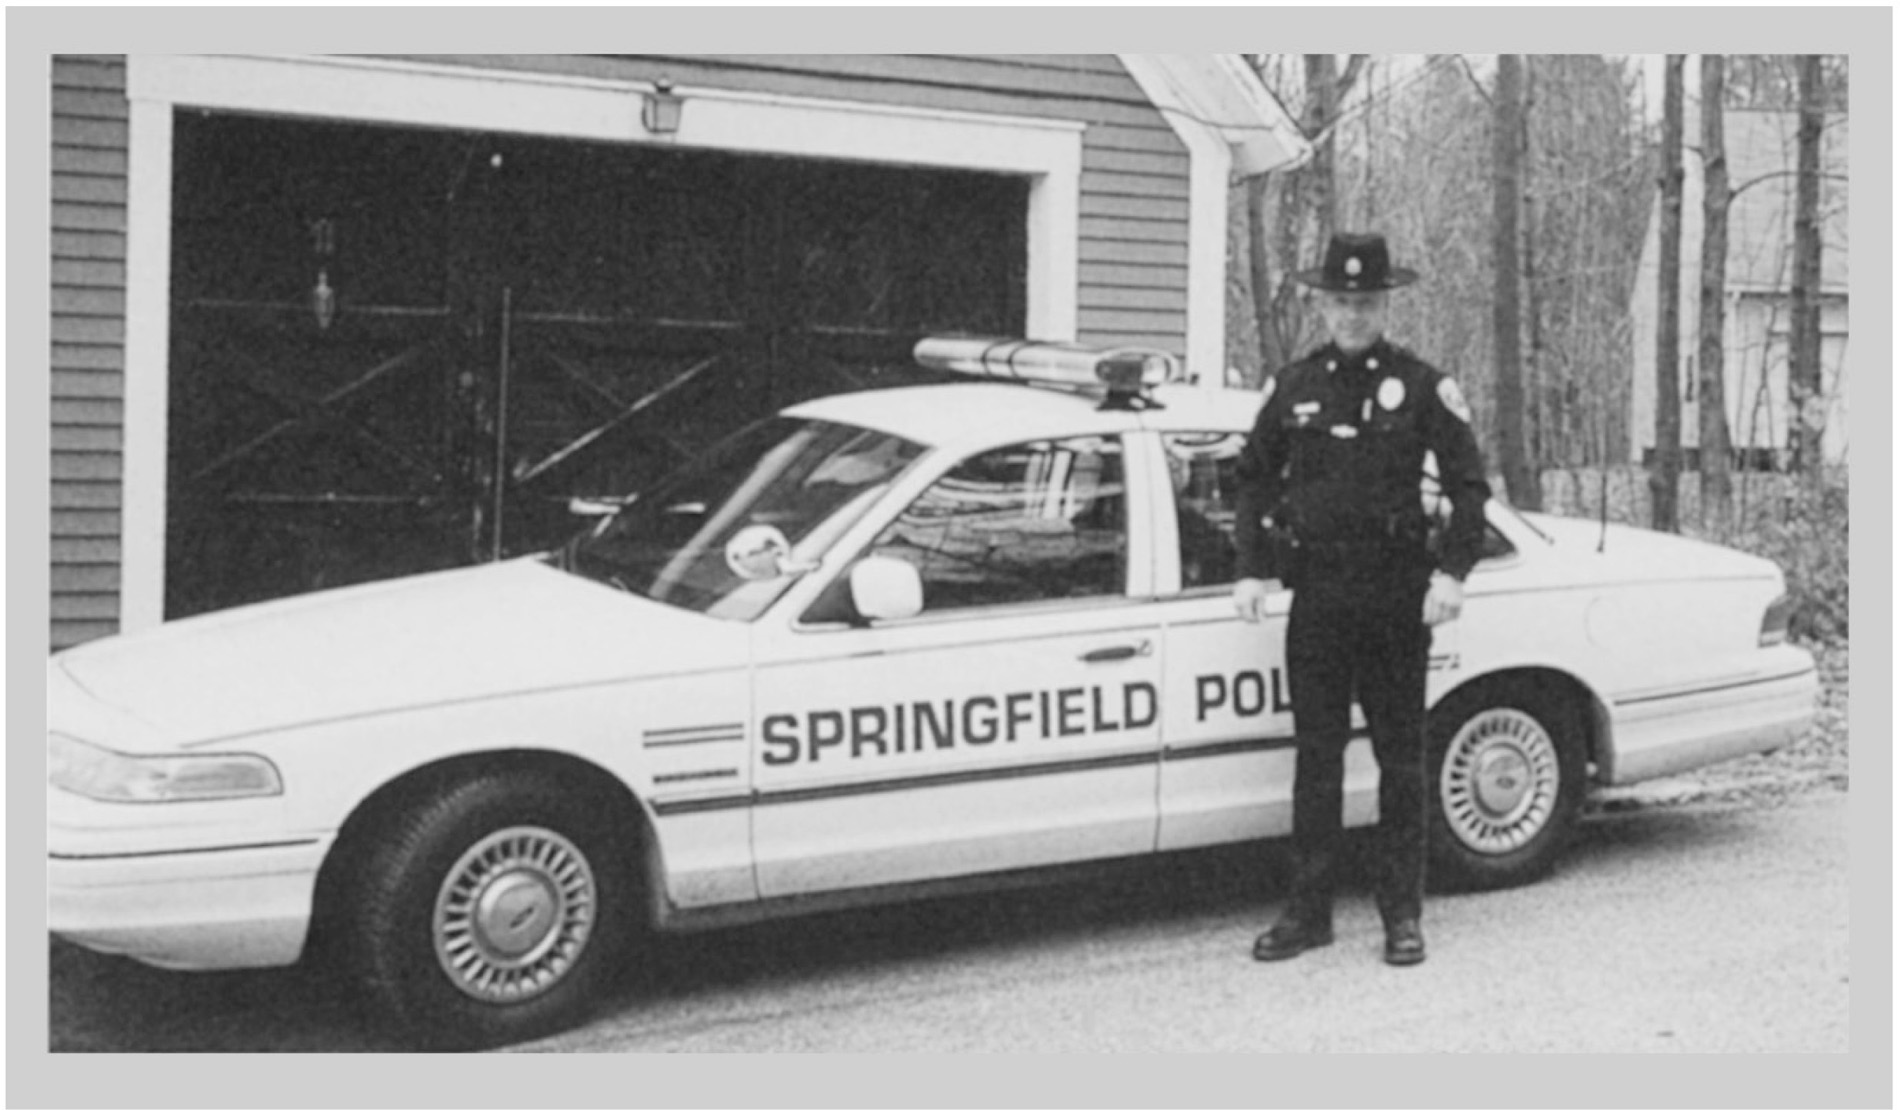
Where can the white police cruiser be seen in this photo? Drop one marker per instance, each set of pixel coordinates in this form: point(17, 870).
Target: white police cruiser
point(881, 645)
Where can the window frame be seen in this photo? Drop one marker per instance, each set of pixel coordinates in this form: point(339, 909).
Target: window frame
point(1137, 452)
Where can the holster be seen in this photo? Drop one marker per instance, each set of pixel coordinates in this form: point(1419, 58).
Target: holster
point(1283, 555)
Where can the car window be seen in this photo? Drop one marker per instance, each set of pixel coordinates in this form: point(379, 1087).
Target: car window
point(1201, 465)
point(1202, 468)
point(1033, 522)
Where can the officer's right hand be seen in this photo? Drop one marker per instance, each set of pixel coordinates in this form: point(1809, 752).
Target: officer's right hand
point(1250, 598)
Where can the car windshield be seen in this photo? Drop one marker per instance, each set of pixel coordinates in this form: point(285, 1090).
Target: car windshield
point(808, 478)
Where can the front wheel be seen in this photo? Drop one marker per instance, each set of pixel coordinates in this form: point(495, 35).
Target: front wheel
point(1508, 768)
point(493, 911)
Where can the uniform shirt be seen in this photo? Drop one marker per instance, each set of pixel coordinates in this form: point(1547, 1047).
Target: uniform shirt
point(1338, 452)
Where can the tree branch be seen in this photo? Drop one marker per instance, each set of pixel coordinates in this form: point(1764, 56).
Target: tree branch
point(1754, 181)
point(1354, 65)
point(1475, 83)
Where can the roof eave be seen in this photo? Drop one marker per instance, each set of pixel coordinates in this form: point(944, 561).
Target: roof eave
point(1223, 93)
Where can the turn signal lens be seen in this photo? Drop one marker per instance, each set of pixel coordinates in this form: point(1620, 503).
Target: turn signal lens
point(108, 776)
point(1774, 622)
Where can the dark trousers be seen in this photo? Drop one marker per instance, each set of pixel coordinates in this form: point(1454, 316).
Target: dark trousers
point(1359, 637)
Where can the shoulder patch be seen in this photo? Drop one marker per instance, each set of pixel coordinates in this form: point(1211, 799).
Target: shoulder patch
point(1453, 399)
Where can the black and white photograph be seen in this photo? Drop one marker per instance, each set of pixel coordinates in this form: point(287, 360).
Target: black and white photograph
point(790, 553)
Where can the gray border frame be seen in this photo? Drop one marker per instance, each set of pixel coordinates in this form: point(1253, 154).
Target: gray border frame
point(38, 1078)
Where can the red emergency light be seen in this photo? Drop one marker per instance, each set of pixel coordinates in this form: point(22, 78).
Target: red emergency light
point(1124, 374)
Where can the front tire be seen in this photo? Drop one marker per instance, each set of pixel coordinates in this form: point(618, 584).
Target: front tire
point(1507, 773)
point(494, 910)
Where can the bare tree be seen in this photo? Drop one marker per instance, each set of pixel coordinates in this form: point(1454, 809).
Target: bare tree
point(1804, 339)
point(1520, 481)
point(1666, 464)
point(1717, 495)
point(1291, 214)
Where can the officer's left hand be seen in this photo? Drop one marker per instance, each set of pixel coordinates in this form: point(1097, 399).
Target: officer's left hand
point(1444, 600)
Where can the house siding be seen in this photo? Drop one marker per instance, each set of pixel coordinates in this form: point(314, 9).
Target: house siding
point(1132, 254)
point(87, 358)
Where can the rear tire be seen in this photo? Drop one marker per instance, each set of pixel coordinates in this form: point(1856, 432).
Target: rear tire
point(1507, 767)
point(494, 910)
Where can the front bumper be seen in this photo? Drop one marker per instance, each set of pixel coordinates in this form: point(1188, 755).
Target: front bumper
point(1669, 732)
point(199, 910)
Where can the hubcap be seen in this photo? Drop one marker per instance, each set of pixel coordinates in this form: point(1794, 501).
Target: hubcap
point(514, 913)
point(1500, 781)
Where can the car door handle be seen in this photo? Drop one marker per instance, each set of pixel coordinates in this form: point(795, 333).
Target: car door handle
point(1117, 653)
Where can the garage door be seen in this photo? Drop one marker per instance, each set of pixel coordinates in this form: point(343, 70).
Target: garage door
point(396, 350)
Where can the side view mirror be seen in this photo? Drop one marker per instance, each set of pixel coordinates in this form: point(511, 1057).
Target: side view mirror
point(885, 589)
point(761, 551)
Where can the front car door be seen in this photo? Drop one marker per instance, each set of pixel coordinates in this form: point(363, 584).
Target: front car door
point(1227, 766)
point(1014, 722)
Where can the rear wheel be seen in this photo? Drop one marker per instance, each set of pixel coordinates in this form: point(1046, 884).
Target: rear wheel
point(1508, 768)
point(493, 911)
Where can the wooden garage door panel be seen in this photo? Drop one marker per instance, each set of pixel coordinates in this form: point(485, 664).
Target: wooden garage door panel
point(399, 350)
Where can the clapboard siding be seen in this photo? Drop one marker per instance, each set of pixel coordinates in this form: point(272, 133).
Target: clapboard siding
point(110, 163)
point(89, 71)
point(88, 244)
point(87, 495)
point(87, 608)
point(88, 272)
point(1110, 274)
point(71, 131)
point(88, 344)
point(87, 411)
point(69, 523)
point(79, 631)
point(86, 550)
point(87, 330)
point(1143, 254)
point(89, 103)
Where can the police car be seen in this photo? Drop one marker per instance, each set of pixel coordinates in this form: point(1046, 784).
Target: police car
point(879, 646)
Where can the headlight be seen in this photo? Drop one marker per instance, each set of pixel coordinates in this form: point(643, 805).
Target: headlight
point(95, 772)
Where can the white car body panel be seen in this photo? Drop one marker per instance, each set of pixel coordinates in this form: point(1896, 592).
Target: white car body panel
point(708, 723)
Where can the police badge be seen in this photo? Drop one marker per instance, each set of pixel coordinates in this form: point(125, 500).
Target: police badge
point(1453, 399)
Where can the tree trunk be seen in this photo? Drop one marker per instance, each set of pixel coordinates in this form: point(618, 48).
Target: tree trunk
point(1665, 467)
point(1520, 480)
point(1711, 397)
point(1806, 408)
point(1322, 109)
point(1273, 352)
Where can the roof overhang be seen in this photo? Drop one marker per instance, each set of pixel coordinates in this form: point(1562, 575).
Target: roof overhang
point(1224, 93)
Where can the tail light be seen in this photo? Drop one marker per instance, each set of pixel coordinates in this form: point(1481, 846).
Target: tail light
point(1774, 622)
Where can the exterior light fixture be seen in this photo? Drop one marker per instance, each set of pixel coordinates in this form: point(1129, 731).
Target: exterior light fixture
point(660, 109)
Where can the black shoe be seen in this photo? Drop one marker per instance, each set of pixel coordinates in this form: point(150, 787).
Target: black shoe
point(1292, 935)
point(1404, 944)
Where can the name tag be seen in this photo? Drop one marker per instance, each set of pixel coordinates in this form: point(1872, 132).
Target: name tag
point(1345, 431)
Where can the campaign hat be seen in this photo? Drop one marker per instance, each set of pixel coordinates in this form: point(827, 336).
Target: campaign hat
point(1356, 264)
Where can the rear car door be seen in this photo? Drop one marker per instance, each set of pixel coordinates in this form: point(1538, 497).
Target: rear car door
point(1014, 722)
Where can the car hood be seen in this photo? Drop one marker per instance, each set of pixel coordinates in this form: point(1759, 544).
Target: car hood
point(451, 636)
point(1639, 555)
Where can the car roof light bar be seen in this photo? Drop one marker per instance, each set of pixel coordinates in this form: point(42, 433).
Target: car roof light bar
point(1123, 373)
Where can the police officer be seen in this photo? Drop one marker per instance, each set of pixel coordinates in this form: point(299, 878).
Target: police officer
point(1330, 502)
